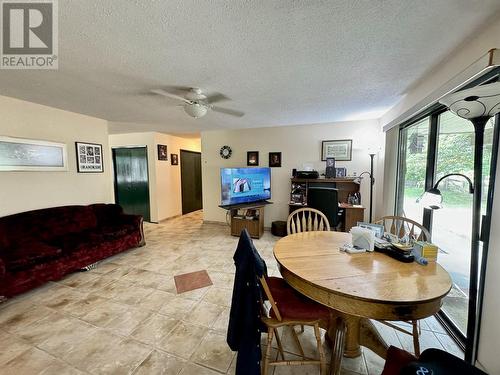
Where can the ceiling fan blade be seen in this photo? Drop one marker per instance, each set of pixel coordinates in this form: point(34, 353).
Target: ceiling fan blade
point(169, 95)
point(227, 111)
point(177, 89)
point(216, 97)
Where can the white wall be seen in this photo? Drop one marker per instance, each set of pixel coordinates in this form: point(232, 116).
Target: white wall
point(489, 339)
point(23, 191)
point(298, 145)
point(461, 58)
point(164, 178)
point(388, 202)
point(168, 177)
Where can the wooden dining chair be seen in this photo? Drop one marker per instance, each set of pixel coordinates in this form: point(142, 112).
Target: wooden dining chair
point(307, 220)
point(401, 226)
point(294, 309)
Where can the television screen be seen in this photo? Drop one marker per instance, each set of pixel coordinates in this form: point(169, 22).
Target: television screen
point(244, 185)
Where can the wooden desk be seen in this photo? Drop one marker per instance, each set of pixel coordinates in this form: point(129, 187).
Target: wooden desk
point(352, 215)
point(360, 286)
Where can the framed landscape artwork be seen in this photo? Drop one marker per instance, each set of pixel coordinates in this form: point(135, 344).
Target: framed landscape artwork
point(89, 157)
point(340, 149)
point(19, 154)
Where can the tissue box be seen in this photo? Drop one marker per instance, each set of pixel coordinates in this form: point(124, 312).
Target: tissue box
point(363, 238)
point(426, 250)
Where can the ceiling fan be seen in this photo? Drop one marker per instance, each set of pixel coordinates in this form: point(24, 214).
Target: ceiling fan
point(196, 104)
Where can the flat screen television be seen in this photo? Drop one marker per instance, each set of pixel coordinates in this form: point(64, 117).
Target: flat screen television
point(244, 185)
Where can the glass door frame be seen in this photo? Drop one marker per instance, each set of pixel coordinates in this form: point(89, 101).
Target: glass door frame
point(467, 343)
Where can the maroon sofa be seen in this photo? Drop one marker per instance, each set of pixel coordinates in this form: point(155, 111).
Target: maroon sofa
point(42, 245)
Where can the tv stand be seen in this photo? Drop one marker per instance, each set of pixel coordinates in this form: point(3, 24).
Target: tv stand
point(253, 223)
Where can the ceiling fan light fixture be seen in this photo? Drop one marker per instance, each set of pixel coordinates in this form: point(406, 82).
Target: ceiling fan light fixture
point(195, 110)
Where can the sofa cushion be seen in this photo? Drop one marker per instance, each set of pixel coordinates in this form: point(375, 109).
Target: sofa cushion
point(71, 219)
point(46, 224)
point(71, 242)
point(27, 254)
point(106, 213)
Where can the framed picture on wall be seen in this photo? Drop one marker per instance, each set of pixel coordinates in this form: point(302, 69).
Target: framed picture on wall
point(275, 159)
point(89, 157)
point(174, 159)
point(252, 158)
point(340, 149)
point(162, 152)
point(20, 154)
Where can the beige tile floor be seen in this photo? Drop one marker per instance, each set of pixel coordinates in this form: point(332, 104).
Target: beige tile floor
point(124, 317)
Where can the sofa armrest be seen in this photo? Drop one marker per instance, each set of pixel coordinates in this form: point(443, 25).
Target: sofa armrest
point(135, 220)
point(129, 219)
point(2, 269)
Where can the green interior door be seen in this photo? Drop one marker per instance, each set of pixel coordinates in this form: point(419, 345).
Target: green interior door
point(191, 181)
point(131, 180)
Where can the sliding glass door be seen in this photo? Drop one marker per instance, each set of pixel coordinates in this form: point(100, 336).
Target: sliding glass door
point(414, 141)
point(451, 226)
point(430, 147)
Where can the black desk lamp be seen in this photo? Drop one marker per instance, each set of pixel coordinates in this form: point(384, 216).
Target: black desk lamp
point(432, 198)
point(477, 104)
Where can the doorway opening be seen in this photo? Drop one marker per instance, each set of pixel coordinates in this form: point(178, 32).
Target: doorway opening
point(192, 199)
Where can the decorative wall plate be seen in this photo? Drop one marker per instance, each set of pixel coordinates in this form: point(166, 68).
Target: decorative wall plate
point(225, 152)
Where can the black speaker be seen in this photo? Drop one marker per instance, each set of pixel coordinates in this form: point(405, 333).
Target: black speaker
point(307, 174)
point(294, 172)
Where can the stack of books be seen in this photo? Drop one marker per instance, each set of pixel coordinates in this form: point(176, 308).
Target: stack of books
point(426, 250)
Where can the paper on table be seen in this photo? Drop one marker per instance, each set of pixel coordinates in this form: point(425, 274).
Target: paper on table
point(363, 238)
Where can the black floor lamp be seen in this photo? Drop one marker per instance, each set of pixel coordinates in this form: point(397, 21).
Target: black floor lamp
point(372, 181)
point(478, 105)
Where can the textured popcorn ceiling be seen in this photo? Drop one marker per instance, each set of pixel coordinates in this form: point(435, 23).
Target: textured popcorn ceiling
point(281, 62)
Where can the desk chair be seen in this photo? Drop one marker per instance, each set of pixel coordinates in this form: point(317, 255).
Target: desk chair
point(306, 220)
point(401, 226)
point(326, 200)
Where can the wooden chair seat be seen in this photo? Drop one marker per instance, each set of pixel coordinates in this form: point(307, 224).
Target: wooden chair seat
point(295, 306)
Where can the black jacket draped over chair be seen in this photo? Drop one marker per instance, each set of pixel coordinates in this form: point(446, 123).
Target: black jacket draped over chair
point(245, 325)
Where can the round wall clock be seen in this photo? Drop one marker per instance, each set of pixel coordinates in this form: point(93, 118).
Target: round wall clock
point(225, 152)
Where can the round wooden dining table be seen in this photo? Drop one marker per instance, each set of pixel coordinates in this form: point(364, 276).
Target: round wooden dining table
point(360, 287)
